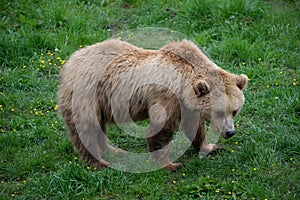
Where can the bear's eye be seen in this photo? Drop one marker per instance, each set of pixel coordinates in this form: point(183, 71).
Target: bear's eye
point(234, 113)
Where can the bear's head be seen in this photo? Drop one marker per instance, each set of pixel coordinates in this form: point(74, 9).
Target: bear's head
point(215, 93)
point(220, 99)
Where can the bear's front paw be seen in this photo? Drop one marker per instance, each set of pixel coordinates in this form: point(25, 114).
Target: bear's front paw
point(210, 149)
point(174, 166)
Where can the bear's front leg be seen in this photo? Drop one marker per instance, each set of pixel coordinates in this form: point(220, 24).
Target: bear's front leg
point(198, 139)
point(159, 145)
point(201, 138)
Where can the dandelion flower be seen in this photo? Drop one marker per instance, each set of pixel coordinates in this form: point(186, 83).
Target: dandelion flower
point(291, 159)
point(217, 190)
point(254, 169)
point(183, 174)
point(174, 181)
point(12, 110)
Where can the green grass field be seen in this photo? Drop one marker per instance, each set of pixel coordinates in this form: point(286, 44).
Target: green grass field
point(255, 37)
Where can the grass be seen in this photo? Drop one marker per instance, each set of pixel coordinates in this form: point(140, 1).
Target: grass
point(258, 38)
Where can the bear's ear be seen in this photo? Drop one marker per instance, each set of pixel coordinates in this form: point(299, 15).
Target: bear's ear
point(242, 81)
point(201, 88)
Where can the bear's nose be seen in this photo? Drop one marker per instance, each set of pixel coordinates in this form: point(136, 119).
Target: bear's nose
point(229, 134)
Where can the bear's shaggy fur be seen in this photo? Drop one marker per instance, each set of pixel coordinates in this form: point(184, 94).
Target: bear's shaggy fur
point(116, 82)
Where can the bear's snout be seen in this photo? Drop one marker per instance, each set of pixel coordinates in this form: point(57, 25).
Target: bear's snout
point(229, 134)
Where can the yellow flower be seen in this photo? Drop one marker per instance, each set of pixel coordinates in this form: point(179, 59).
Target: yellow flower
point(254, 169)
point(281, 72)
point(24, 66)
point(183, 174)
point(174, 181)
point(12, 110)
point(291, 159)
point(236, 142)
point(55, 107)
point(233, 170)
point(259, 59)
point(217, 190)
point(43, 61)
point(243, 63)
point(232, 151)
point(229, 192)
point(268, 86)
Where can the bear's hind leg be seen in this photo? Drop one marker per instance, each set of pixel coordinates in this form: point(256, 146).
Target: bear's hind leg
point(87, 145)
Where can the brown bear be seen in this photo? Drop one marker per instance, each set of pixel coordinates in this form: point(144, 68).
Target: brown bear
point(177, 85)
